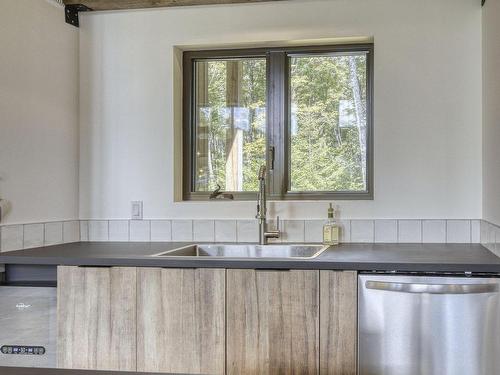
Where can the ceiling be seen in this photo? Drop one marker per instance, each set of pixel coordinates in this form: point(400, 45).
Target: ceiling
point(139, 4)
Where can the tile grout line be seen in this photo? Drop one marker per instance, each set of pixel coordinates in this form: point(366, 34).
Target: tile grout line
point(373, 228)
point(398, 239)
point(421, 230)
point(470, 231)
point(44, 224)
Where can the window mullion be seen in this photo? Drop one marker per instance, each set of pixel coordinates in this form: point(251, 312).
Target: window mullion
point(277, 94)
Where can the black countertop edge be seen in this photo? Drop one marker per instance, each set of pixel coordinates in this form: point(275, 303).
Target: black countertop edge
point(357, 257)
point(259, 264)
point(267, 264)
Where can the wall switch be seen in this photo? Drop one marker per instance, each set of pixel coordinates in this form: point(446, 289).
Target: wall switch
point(136, 210)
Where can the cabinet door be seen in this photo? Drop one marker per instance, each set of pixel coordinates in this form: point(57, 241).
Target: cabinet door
point(96, 318)
point(338, 323)
point(181, 320)
point(272, 322)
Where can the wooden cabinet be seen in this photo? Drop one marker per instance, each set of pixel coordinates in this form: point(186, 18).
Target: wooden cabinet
point(207, 321)
point(272, 322)
point(338, 322)
point(181, 320)
point(291, 322)
point(96, 318)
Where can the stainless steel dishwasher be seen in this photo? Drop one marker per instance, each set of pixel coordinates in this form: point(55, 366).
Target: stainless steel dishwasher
point(428, 325)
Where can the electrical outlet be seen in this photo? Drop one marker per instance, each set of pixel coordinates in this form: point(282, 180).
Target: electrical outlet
point(136, 210)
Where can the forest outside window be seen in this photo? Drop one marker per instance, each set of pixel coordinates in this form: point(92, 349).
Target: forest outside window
point(304, 112)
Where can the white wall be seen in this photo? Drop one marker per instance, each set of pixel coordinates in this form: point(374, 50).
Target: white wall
point(38, 112)
point(491, 111)
point(427, 102)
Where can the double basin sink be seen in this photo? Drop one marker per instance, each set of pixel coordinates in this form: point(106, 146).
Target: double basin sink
point(246, 251)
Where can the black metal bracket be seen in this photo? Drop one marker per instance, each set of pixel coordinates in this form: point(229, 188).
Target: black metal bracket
point(71, 13)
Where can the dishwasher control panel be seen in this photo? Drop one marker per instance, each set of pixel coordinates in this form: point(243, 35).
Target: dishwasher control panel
point(22, 349)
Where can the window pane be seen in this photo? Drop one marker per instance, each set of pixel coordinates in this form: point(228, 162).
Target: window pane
point(328, 123)
point(230, 123)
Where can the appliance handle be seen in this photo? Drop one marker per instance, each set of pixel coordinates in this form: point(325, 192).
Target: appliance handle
point(432, 288)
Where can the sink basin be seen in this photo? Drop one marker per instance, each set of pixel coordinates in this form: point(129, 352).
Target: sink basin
point(246, 251)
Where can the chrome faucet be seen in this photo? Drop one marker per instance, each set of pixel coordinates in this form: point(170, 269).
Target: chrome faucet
point(264, 233)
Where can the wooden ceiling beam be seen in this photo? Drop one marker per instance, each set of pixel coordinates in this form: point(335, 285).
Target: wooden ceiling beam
point(141, 4)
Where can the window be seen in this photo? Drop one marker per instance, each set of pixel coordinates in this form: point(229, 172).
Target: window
point(304, 112)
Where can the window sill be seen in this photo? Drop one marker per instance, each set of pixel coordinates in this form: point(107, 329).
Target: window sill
point(290, 196)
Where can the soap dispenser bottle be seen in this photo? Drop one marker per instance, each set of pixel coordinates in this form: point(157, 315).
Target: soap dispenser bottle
point(331, 229)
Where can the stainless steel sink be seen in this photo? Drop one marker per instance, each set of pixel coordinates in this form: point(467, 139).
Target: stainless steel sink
point(246, 251)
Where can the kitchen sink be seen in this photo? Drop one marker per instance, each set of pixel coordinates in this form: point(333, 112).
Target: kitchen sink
point(246, 251)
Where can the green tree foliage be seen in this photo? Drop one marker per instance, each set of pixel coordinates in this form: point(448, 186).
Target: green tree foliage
point(324, 155)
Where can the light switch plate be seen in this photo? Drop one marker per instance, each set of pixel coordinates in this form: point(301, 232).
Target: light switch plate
point(136, 210)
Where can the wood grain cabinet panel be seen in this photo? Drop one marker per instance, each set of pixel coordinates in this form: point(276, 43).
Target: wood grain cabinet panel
point(207, 321)
point(338, 323)
point(96, 318)
point(272, 322)
point(181, 320)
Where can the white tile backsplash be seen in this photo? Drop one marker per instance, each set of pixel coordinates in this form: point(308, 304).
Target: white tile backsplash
point(84, 230)
point(11, 237)
point(292, 231)
point(345, 231)
point(71, 231)
point(313, 231)
point(225, 231)
point(204, 230)
point(497, 241)
point(386, 231)
point(53, 233)
point(98, 230)
point(458, 231)
point(491, 237)
point(362, 230)
point(16, 237)
point(140, 230)
point(247, 231)
point(434, 231)
point(119, 230)
point(475, 231)
point(484, 231)
point(161, 230)
point(182, 230)
point(409, 231)
point(33, 235)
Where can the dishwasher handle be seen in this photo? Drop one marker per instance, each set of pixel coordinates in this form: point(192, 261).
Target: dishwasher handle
point(431, 288)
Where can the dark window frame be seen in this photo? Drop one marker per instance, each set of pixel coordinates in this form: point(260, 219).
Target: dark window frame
point(277, 121)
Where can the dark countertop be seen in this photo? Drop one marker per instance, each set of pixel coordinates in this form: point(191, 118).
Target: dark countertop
point(48, 371)
point(352, 256)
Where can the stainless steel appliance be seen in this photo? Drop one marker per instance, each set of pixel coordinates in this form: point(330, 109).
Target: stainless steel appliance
point(28, 326)
point(419, 325)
